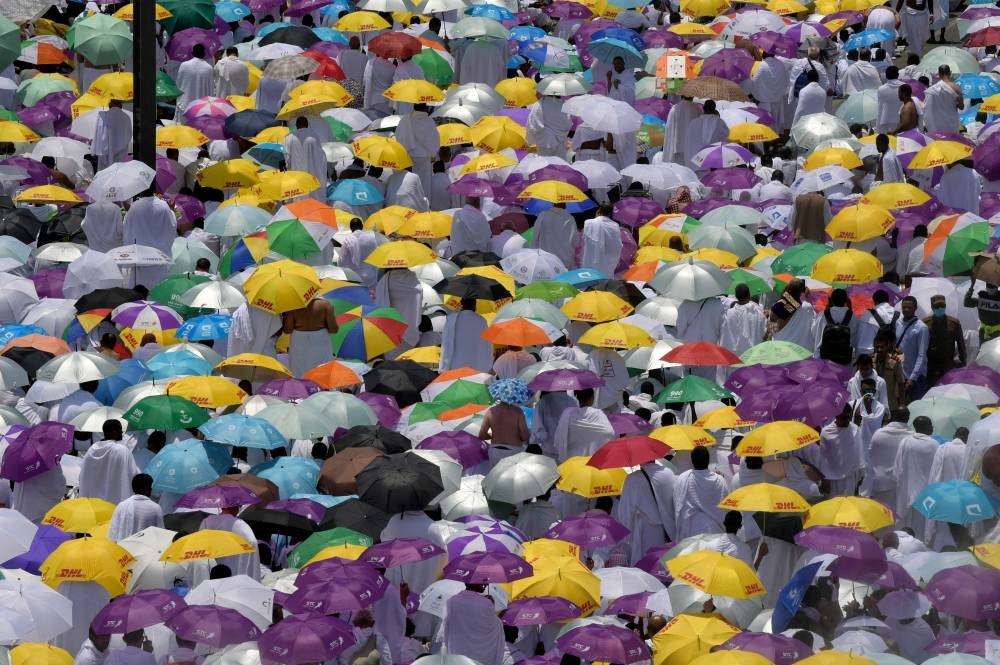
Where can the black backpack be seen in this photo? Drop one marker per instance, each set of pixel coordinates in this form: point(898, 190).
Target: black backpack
point(888, 328)
point(836, 342)
point(802, 80)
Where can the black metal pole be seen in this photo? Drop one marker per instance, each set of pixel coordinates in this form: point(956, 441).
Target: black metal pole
point(144, 82)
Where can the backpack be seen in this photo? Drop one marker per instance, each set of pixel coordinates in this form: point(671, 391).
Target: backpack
point(889, 327)
point(802, 80)
point(836, 342)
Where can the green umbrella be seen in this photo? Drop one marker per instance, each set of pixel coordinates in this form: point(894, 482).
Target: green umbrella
point(169, 291)
point(757, 284)
point(774, 353)
point(341, 131)
point(957, 255)
point(958, 59)
point(422, 411)
point(188, 14)
point(547, 290)
point(733, 239)
point(478, 26)
point(102, 39)
point(573, 65)
point(10, 42)
point(692, 389)
point(946, 413)
point(532, 308)
point(464, 392)
point(320, 540)
point(7, 114)
point(165, 412)
point(436, 69)
point(165, 86)
point(291, 238)
point(799, 259)
point(30, 92)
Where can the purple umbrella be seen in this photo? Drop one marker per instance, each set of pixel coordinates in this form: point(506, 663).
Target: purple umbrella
point(518, 115)
point(337, 594)
point(775, 43)
point(700, 208)
point(723, 155)
point(289, 389)
point(539, 611)
point(304, 507)
point(263, 5)
point(759, 405)
point(733, 177)
point(487, 568)
point(218, 496)
point(214, 127)
point(891, 575)
point(584, 33)
point(49, 282)
point(189, 207)
point(824, 400)
point(661, 39)
point(303, 7)
point(627, 423)
point(633, 604)
point(733, 64)
point(635, 211)
point(466, 449)
point(337, 568)
point(36, 117)
point(597, 642)
point(755, 377)
point(213, 625)
point(974, 374)
point(815, 369)
point(565, 379)
point(653, 106)
point(559, 172)
point(986, 157)
point(399, 551)
point(589, 531)
point(487, 524)
point(180, 44)
point(136, 611)
point(973, 641)
point(305, 638)
point(989, 204)
point(330, 49)
point(60, 101)
point(385, 407)
point(471, 185)
point(841, 541)
point(38, 173)
point(569, 10)
point(45, 541)
point(36, 450)
point(966, 591)
point(853, 17)
point(650, 562)
point(551, 657)
point(779, 649)
point(467, 543)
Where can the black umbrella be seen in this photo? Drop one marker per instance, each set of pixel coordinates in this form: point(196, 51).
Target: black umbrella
point(20, 223)
point(476, 287)
point(29, 359)
point(627, 291)
point(249, 122)
point(398, 483)
point(782, 526)
point(373, 436)
point(184, 523)
point(106, 299)
point(266, 522)
point(296, 35)
point(357, 516)
point(67, 226)
point(474, 258)
point(403, 379)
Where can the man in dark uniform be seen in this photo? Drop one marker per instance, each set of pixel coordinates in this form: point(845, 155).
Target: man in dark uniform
point(987, 303)
point(946, 341)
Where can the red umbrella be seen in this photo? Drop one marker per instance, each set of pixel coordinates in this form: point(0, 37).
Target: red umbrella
point(987, 37)
point(328, 67)
point(701, 353)
point(395, 45)
point(628, 451)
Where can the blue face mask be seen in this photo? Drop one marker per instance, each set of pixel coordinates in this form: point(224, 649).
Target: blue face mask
point(938, 311)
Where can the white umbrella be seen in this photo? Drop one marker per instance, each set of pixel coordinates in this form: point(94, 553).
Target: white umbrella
point(12, 376)
point(819, 179)
point(213, 295)
point(442, 657)
point(732, 215)
point(18, 533)
point(387, 6)
point(435, 597)
point(534, 309)
point(621, 581)
point(533, 370)
point(9, 416)
point(347, 410)
point(247, 653)
point(353, 118)
point(600, 175)
point(93, 420)
point(476, 93)
point(297, 422)
point(691, 280)
point(563, 85)
point(85, 124)
point(208, 354)
point(964, 391)
point(751, 22)
point(254, 404)
point(520, 477)
point(16, 295)
point(13, 248)
point(46, 391)
point(51, 612)
point(274, 51)
point(78, 367)
point(241, 593)
point(532, 265)
point(859, 642)
point(661, 176)
point(148, 572)
point(185, 253)
point(468, 500)
point(733, 239)
point(440, 6)
point(127, 398)
point(94, 270)
point(52, 314)
point(434, 272)
point(121, 181)
point(14, 626)
point(61, 252)
point(814, 128)
point(651, 326)
point(139, 255)
point(660, 308)
point(464, 111)
point(603, 113)
point(67, 152)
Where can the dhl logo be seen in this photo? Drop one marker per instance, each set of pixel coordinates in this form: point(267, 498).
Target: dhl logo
point(850, 525)
point(55, 521)
point(805, 438)
point(232, 184)
point(395, 263)
point(614, 341)
point(784, 505)
point(192, 555)
point(842, 277)
point(730, 503)
point(585, 316)
point(604, 489)
point(565, 198)
point(753, 588)
point(264, 304)
point(71, 574)
point(753, 450)
point(125, 559)
point(692, 579)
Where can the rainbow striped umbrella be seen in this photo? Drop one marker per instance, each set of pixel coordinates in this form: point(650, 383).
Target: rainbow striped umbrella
point(367, 332)
point(83, 323)
point(247, 251)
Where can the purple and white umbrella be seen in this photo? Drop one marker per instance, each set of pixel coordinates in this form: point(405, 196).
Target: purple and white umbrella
point(218, 496)
point(722, 155)
point(305, 638)
point(487, 568)
point(604, 643)
point(36, 450)
point(468, 543)
point(466, 449)
point(337, 594)
point(147, 315)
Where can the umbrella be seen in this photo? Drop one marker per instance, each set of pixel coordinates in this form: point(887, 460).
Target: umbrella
point(539, 611)
point(564, 577)
point(842, 542)
point(520, 477)
point(588, 530)
point(606, 642)
point(211, 625)
point(690, 280)
point(102, 39)
point(182, 466)
point(402, 379)
point(813, 129)
point(955, 501)
point(89, 560)
point(966, 591)
point(487, 568)
point(35, 450)
point(337, 592)
point(136, 611)
point(779, 649)
point(858, 513)
point(578, 477)
point(398, 551)
point(81, 515)
point(396, 483)
point(305, 638)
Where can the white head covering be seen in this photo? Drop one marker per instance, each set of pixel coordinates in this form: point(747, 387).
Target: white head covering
point(471, 628)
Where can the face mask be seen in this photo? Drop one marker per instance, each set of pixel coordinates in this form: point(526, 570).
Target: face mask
point(939, 311)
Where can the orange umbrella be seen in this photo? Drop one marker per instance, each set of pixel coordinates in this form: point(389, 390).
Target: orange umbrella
point(311, 210)
point(333, 375)
point(517, 332)
point(46, 343)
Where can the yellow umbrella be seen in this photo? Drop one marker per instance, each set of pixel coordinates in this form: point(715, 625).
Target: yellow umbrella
point(851, 512)
point(280, 185)
point(847, 266)
point(991, 104)
point(553, 191)
point(765, 497)
point(491, 272)
point(343, 551)
point(832, 657)
point(497, 132)
point(229, 174)
point(361, 22)
point(15, 132)
point(87, 102)
point(861, 221)
point(988, 553)
point(79, 515)
point(832, 157)
point(731, 657)
point(564, 577)
point(252, 367)
point(587, 481)
point(36, 653)
point(723, 418)
point(518, 92)
point(382, 151)
point(114, 85)
point(207, 391)
point(426, 225)
point(896, 195)
point(548, 549)
point(242, 102)
point(596, 307)
point(785, 7)
point(698, 8)
point(179, 136)
point(653, 253)
point(312, 105)
point(716, 574)
point(388, 220)
point(719, 257)
point(127, 13)
point(48, 194)
point(206, 544)
point(425, 355)
point(781, 436)
point(321, 88)
point(133, 337)
point(271, 135)
point(454, 133)
point(751, 132)
point(688, 636)
point(414, 91)
point(89, 560)
point(691, 29)
point(246, 197)
point(683, 437)
point(281, 286)
point(617, 335)
point(940, 153)
point(400, 254)
point(486, 162)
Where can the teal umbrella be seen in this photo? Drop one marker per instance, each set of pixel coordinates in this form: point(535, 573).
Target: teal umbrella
point(10, 42)
point(182, 466)
point(774, 353)
point(692, 389)
point(292, 475)
point(861, 107)
point(31, 91)
point(946, 413)
point(188, 14)
point(102, 39)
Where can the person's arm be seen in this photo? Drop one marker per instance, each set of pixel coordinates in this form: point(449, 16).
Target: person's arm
point(970, 299)
point(960, 344)
point(484, 429)
point(906, 119)
point(287, 323)
point(331, 320)
point(920, 362)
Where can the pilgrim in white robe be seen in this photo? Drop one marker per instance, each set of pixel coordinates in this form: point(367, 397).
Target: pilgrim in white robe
point(242, 564)
point(107, 471)
point(462, 344)
point(355, 248)
point(401, 289)
point(799, 329)
point(885, 19)
point(915, 25)
point(699, 320)
point(742, 326)
point(881, 390)
point(441, 198)
point(544, 423)
point(555, 232)
point(646, 507)
point(390, 617)
point(960, 187)
point(883, 448)
point(948, 464)
point(889, 105)
point(601, 244)
point(610, 366)
point(892, 168)
point(838, 457)
point(697, 494)
point(405, 188)
point(860, 76)
point(308, 349)
point(353, 63)
point(482, 61)
point(37, 495)
point(469, 230)
point(88, 599)
point(133, 515)
point(270, 94)
point(378, 78)
point(150, 222)
point(112, 137)
point(304, 153)
point(678, 121)
point(418, 134)
point(941, 108)
point(252, 331)
point(232, 77)
point(471, 628)
point(196, 79)
point(102, 224)
point(548, 126)
point(812, 99)
point(581, 431)
point(913, 465)
point(768, 84)
point(701, 131)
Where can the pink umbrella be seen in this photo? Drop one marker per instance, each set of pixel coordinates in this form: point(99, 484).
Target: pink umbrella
point(214, 127)
point(49, 282)
point(214, 106)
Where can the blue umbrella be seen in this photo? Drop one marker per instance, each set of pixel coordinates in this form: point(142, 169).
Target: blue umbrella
point(495, 12)
point(266, 154)
point(544, 53)
point(516, 61)
point(977, 86)
point(250, 122)
point(15, 330)
point(355, 191)
point(130, 372)
point(525, 33)
point(510, 391)
point(45, 541)
point(292, 475)
point(581, 277)
point(868, 37)
point(208, 326)
point(178, 363)
point(955, 501)
point(231, 12)
point(622, 34)
point(331, 35)
point(268, 28)
point(237, 429)
point(182, 466)
point(790, 598)
point(325, 499)
point(535, 206)
point(606, 50)
point(332, 11)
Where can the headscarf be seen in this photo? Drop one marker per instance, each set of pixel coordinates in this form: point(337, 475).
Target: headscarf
point(679, 200)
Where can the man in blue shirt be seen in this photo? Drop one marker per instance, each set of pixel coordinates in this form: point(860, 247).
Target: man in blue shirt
point(912, 338)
